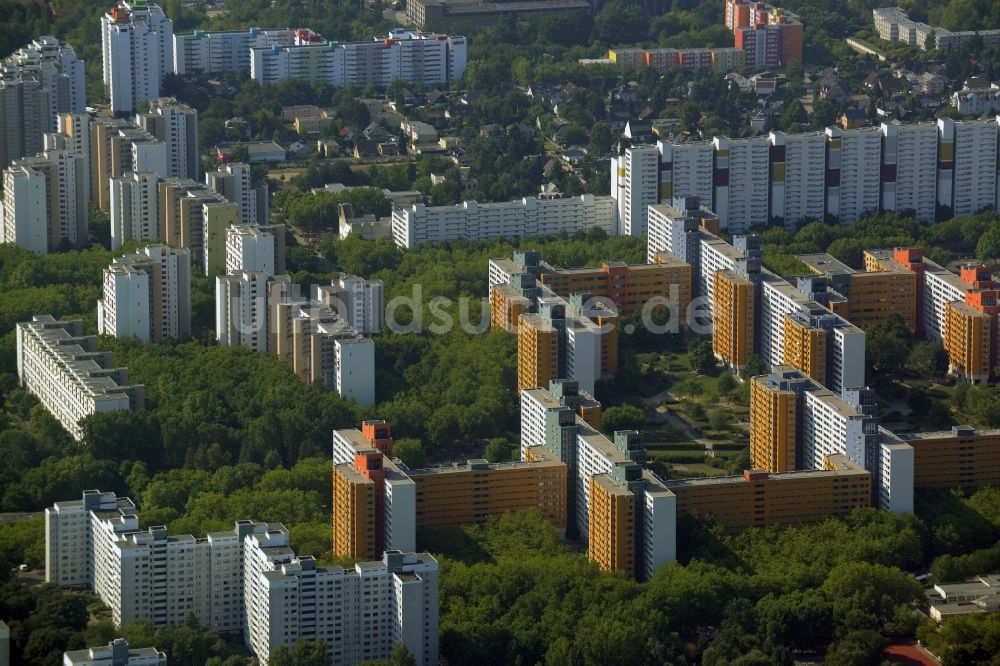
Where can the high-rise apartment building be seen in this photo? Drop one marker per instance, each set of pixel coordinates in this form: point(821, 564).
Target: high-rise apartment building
point(559, 337)
point(798, 175)
point(685, 170)
point(962, 456)
point(135, 210)
point(930, 169)
point(957, 310)
point(241, 308)
point(176, 125)
point(233, 181)
point(246, 580)
point(360, 301)
point(635, 185)
point(45, 206)
point(768, 36)
point(909, 169)
point(72, 379)
point(733, 318)
point(195, 217)
point(147, 295)
point(254, 248)
point(968, 149)
point(138, 50)
point(853, 172)
point(797, 423)
point(742, 183)
point(37, 82)
point(863, 297)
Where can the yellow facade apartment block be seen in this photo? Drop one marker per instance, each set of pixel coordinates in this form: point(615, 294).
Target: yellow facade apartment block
point(537, 352)
point(506, 307)
point(805, 348)
point(353, 513)
point(611, 528)
point(759, 499)
point(773, 424)
point(732, 318)
point(629, 287)
point(960, 457)
point(967, 341)
point(471, 493)
point(874, 297)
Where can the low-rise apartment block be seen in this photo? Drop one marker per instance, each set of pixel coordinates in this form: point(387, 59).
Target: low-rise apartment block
point(961, 457)
point(724, 59)
point(894, 25)
point(115, 653)
point(761, 499)
point(246, 580)
point(147, 295)
point(526, 217)
point(72, 379)
point(413, 56)
point(379, 502)
point(864, 298)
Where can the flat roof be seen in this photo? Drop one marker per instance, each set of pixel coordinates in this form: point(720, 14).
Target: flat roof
point(824, 263)
point(780, 476)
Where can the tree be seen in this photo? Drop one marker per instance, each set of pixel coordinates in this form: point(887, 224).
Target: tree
point(754, 368)
point(498, 449)
point(411, 452)
point(718, 419)
point(927, 359)
point(700, 357)
point(303, 653)
point(622, 417)
point(888, 345)
point(601, 138)
point(988, 247)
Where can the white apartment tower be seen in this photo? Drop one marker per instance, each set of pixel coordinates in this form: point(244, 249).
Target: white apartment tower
point(798, 175)
point(46, 201)
point(135, 213)
point(233, 182)
point(176, 125)
point(138, 44)
point(249, 248)
point(742, 182)
point(25, 202)
point(362, 302)
point(972, 145)
point(241, 309)
point(635, 186)
point(686, 170)
point(37, 82)
point(147, 295)
point(246, 580)
point(909, 168)
point(853, 167)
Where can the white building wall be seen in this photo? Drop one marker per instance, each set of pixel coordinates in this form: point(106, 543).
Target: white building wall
point(355, 370)
point(975, 166)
